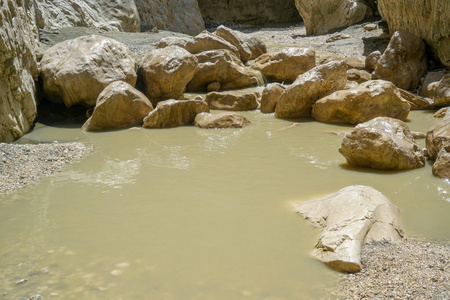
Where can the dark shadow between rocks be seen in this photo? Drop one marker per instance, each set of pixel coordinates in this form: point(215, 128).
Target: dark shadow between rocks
point(373, 44)
point(58, 115)
point(349, 167)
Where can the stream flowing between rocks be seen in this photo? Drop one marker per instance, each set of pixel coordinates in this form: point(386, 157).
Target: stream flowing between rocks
point(188, 213)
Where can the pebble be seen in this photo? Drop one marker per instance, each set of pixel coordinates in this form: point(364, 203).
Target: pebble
point(22, 281)
point(116, 272)
point(123, 265)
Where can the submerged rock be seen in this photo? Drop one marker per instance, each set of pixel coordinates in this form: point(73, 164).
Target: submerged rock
point(221, 120)
point(232, 100)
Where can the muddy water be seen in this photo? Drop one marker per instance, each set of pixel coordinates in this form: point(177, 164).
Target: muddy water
point(186, 213)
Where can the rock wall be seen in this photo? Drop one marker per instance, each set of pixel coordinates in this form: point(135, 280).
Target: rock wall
point(249, 11)
point(18, 68)
point(427, 19)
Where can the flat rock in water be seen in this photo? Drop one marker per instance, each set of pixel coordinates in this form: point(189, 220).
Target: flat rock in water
point(221, 120)
point(232, 100)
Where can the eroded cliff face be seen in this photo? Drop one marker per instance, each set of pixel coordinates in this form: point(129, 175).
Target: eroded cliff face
point(18, 68)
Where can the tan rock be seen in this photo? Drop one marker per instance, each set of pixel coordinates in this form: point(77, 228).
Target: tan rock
point(270, 96)
point(285, 65)
point(76, 71)
point(119, 106)
point(441, 167)
point(358, 76)
point(298, 99)
point(442, 92)
point(232, 100)
point(221, 120)
point(349, 218)
point(430, 83)
point(417, 102)
point(370, 27)
point(350, 84)
point(354, 63)
point(164, 73)
point(213, 87)
point(437, 137)
point(441, 113)
point(336, 37)
point(371, 99)
point(404, 61)
point(173, 113)
point(371, 60)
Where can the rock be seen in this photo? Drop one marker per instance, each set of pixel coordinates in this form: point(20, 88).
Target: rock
point(36, 297)
point(370, 27)
point(322, 16)
point(285, 65)
point(18, 69)
point(232, 100)
point(441, 113)
point(174, 15)
point(416, 101)
point(224, 67)
point(298, 99)
point(270, 96)
point(441, 167)
point(173, 113)
point(418, 135)
point(349, 218)
point(371, 60)
point(358, 76)
point(404, 61)
point(221, 120)
point(442, 92)
point(336, 37)
point(371, 99)
point(437, 137)
point(213, 86)
point(382, 143)
point(354, 63)
point(100, 14)
point(350, 85)
point(427, 19)
point(119, 106)
point(164, 73)
point(430, 82)
point(76, 71)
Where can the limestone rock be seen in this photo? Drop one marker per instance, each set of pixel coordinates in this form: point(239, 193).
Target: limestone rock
point(232, 100)
point(322, 16)
point(427, 19)
point(119, 106)
point(358, 76)
point(442, 92)
point(285, 65)
point(437, 137)
point(270, 96)
point(441, 167)
point(371, 60)
point(164, 73)
point(371, 99)
point(416, 101)
point(18, 69)
point(76, 71)
point(224, 67)
point(221, 120)
point(173, 113)
point(382, 143)
point(430, 83)
point(349, 218)
point(354, 63)
point(298, 99)
point(442, 113)
point(404, 61)
point(213, 86)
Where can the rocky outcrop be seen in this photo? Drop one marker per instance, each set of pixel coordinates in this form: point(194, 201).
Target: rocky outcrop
point(221, 120)
point(102, 14)
point(349, 218)
point(232, 100)
point(119, 106)
point(174, 15)
point(382, 143)
point(18, 69)
point(285, 65)
point(427, 19)
point(164, 73)
point(442, 92)
point(270, 96)
point(441, 167)
point(322, 16)
point(437, 137)
point(371, 99)
point(76, 71)
point(298, 99)
point(173, 113)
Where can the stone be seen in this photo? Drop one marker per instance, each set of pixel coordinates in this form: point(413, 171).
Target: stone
point(232, 100)
point(371, 99)
point(382, 143)
point(430, 82)
point(224, 67)
point(437, 137)
point(404, 61)
point(442, 92)
point(354, 63)
point(358, 76)
point(36, 297)
point(213, 86)
point(221, 120)
point(427, 19)
point(349, 218)
point(119, 105)
point(441, 113)
point(173, 113)
point(441, 167)
point(270, 96)
point(18, 69)
point(417, 102)
point(285, 65)
point(336, 37)
point(371, 60)
point(76, 71)
point(320, 17)
point(298, 99)
point(370, 27)
point(164, 73)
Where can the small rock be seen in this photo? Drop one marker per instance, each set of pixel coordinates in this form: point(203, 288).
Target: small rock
point(370, 27)
point(123, 265)
point(36, 297)
point(336, 37)
point(213, 86)
point(22, 281)
point(116, 272)
point(154, 30)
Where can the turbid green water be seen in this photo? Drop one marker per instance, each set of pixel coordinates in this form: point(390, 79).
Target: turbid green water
point(188, 213)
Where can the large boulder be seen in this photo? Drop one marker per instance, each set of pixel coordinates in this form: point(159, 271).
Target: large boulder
point(442, 92)
point(18, 69)
point(270, 96)
point(322, 16)
point(298, 99)
point(437, 137)
point(371, 99)
point(119, 106)
point(164, 73)
point(221, 120)
point(232, 100)
point(404, 61)
point(382, 143)
point(173, 113)
point(76, 71)
point(285, 65)
point(224, 67)
point(349, 218)
point(441, 167)
point(427, 19)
